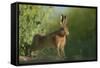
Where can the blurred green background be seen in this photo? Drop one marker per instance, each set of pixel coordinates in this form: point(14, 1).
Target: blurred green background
point(37, 19)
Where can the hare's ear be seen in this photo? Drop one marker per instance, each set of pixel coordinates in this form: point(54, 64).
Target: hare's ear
point(65, 19)
point(61, 19)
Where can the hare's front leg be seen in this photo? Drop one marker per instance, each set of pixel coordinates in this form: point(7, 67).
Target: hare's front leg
point(62, 46)
point(62, 52)
point(58, 50)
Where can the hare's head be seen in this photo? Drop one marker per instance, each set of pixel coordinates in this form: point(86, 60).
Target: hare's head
point(64, 24)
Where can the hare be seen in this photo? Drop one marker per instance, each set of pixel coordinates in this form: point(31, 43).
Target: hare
point(56, 39)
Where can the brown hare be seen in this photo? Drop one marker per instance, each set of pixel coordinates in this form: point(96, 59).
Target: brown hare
point(56, 39)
